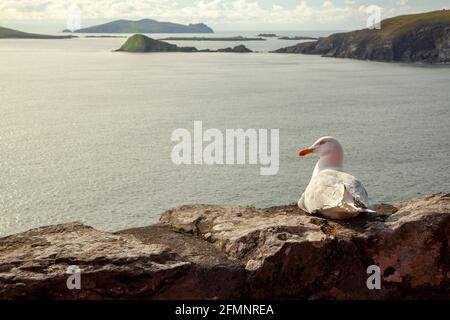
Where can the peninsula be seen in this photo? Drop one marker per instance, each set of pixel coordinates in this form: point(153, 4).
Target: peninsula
point(6, 33)
point(421, 37)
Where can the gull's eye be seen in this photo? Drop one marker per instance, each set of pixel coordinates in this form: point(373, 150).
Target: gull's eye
point(322, 142)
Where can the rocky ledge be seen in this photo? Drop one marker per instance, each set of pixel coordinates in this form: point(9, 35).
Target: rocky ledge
point(218, 252)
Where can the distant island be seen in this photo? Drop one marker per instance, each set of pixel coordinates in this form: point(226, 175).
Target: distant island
point(145, 26)
point(298, 38)
point(267, 35)
point(6, 33)
point(141, 43)
point(105, 36)
point(421, 37)
point(237, 49)
point(238, 38)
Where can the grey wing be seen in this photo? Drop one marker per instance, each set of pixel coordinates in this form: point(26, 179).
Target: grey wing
point(331, 188)
point(357, 192)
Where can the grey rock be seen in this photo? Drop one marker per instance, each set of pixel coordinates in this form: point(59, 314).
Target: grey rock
point(289, 254)
point(225, 252)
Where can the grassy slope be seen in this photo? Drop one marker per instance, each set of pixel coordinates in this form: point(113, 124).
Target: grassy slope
point(141, 43)
point(6, 33)
point(398, 26)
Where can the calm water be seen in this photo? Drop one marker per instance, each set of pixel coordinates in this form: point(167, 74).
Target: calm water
point(85, 132)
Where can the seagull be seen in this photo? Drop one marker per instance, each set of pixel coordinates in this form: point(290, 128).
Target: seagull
point(332, 192)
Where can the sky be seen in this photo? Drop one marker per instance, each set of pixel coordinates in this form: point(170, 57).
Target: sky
point(262, 15)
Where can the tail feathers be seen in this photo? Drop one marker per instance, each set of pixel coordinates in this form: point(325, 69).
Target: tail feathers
point(361, 206)
point(367, 211)
point(361, 209)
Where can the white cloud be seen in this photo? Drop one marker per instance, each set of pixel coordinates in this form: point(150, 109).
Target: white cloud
point(210, 11)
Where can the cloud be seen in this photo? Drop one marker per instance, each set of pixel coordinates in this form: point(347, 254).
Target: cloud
point(244, 12)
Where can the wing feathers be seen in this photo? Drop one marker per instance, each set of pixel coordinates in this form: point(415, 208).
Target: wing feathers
point(331, 190)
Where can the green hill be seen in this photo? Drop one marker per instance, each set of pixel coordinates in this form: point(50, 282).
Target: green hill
point(401, 25)
point(146, 26)
point(6, 33)
point(423, 37)
point(141, 43)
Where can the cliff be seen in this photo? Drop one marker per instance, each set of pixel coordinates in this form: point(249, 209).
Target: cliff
point(217, 252)
point(412, 38)
point(146, 26)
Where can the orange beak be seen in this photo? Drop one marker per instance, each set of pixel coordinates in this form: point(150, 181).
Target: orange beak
point(305, 152)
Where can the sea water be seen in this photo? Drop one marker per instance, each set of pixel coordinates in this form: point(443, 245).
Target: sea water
point(85, 132)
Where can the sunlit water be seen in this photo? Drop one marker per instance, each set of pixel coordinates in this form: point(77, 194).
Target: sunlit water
point(85, 132)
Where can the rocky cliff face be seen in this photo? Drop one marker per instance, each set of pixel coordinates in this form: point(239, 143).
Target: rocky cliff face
point(216, 252)
point(421, 38)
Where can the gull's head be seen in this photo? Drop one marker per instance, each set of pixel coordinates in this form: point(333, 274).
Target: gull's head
point(323, 147)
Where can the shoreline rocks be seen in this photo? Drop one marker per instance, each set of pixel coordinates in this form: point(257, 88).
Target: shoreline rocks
point(224, 252)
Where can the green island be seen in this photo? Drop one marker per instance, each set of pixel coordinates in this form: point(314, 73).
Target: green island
point(6, 33)
point(141, 43)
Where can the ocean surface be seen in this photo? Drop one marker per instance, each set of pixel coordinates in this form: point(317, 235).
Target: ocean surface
point(85, 132)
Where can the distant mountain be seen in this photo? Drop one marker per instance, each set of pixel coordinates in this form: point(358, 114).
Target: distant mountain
point(6, 33)
point(146, 26)
point(421, 37)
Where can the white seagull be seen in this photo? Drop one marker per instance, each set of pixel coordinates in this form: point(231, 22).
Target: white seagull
point(332, 192)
